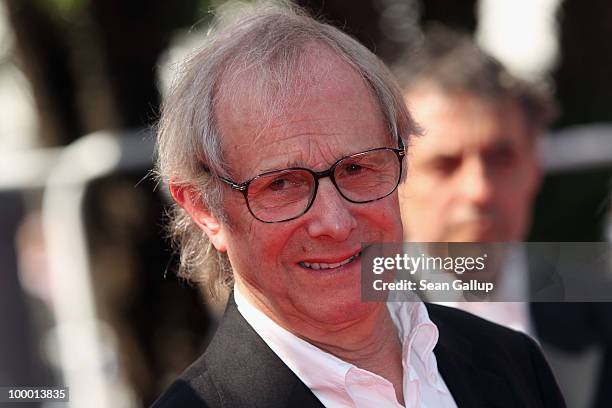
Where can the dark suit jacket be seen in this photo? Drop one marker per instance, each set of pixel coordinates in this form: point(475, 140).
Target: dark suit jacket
point(573, 327)
point(483, 365)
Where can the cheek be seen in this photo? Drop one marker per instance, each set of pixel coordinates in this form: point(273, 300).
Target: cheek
point(516, 206)
point(434, 204)
point(419, 182)
point(517, 195)
point(259, 244)
point(428, 194)
point(418, 209)
point(247, 241)
point(385, 218)
point(272, 248)
point(258, 257)
point(264, 244)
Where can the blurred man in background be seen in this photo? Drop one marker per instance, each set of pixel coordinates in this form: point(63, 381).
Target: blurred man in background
point(474, 174)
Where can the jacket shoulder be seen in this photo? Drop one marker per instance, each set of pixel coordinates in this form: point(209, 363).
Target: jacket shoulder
point(194, 388)
point(238, 369)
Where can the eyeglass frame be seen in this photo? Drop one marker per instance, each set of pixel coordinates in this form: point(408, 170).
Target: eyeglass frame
point(243, 187)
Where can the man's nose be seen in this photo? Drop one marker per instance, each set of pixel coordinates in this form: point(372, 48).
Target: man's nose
point(330, 215)
point(477, 184)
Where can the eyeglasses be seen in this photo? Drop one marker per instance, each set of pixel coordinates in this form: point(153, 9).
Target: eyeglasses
point(284, 195)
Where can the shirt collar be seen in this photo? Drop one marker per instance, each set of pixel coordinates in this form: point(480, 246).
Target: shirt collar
point(320, 370)
point(304, 359)
point(418, 334)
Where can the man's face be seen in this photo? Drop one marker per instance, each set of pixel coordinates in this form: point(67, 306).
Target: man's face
point(473, 175)
point(335, 117)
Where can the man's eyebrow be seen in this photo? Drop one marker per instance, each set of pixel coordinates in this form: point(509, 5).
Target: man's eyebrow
point(505, 142)
point(294, 162)
point(446, 155)
point(290, 163)
point(299, 163)
point(501, 144)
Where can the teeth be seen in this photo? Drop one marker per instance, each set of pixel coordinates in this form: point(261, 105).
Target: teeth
point(320, 265)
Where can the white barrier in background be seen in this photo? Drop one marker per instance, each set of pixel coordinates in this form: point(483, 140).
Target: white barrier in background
point(577, 148)
point(86, 357)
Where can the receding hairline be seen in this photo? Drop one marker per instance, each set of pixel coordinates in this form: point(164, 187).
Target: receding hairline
point(317, 63)
point(425, 85)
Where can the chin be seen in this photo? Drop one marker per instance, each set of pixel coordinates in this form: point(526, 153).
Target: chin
point(475, 233)
point(340, 311)
point(480, 237)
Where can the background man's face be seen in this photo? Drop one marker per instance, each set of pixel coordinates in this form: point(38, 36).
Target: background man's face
point(473, 175)
point(335, 117)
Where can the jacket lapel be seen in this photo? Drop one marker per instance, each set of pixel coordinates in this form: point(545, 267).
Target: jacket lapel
point(253, 375)
point(470, 385)
point(456, 370)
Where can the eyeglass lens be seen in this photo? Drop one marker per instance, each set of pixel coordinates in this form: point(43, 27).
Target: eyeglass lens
point(287, 194)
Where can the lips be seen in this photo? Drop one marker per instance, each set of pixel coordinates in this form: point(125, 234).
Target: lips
point(323, 265)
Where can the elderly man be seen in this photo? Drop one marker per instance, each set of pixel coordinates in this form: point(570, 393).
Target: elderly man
point(283, 144)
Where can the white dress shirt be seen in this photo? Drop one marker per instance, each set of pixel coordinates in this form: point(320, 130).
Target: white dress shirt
point(337, 383)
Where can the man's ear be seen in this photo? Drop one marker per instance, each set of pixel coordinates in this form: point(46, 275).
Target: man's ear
point(190, 200)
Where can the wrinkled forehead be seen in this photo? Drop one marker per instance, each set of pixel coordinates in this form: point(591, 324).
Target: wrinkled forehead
point(264, 91)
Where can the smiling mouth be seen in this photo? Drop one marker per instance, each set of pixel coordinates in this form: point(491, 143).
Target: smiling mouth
point(323, 266)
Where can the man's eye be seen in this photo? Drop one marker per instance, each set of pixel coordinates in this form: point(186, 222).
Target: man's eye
point(445, 165)
point(286, 183)
point(279, 184)
point(356, 169)
point(502, 157)
point(353, 168)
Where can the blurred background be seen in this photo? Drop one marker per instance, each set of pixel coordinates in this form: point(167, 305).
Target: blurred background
point(88, 295)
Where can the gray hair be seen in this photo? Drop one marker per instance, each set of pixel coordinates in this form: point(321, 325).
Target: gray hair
point(268, 39)
point(452, 61)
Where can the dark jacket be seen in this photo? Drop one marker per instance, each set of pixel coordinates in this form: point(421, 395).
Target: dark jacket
point(483, 365)
point(573, 328)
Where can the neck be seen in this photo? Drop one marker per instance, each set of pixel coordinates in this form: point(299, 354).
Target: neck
point(361, 341)
point(370, 342)
point(373, 346)
point(353, 339)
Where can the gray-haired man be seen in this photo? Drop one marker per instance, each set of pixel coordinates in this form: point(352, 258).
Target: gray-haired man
point(283, 143)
